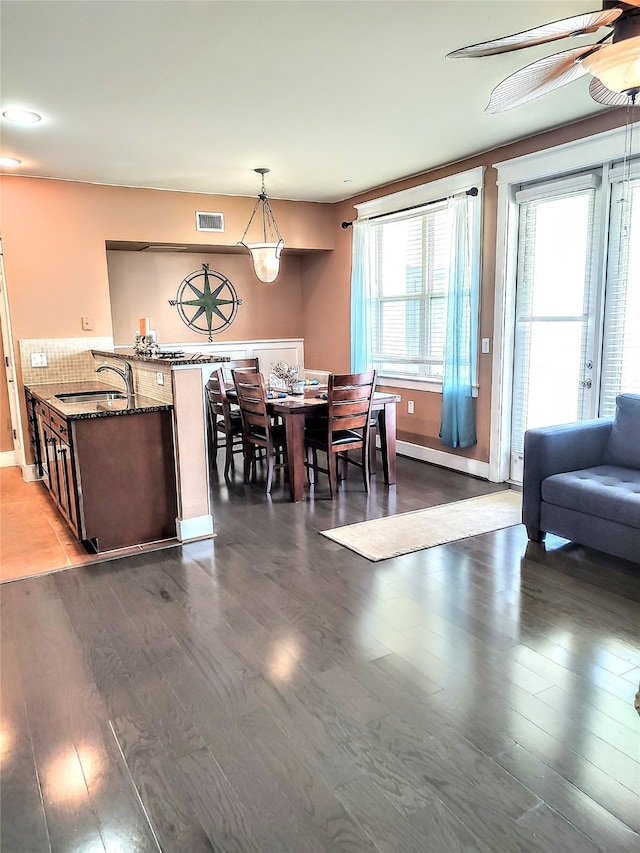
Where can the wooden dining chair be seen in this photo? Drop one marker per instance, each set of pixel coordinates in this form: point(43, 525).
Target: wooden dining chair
point(349, 400)
point(258, 430)
point(238, 364)
point(222, 419)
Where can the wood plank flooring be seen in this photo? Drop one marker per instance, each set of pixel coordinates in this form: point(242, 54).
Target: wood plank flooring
point(272, 691)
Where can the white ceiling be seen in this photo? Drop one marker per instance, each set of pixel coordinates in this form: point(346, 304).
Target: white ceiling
point(334, 97)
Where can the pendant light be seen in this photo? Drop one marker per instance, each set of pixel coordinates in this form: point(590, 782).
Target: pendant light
point(266, 254)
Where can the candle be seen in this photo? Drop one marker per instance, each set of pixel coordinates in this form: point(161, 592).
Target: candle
point(144, 325)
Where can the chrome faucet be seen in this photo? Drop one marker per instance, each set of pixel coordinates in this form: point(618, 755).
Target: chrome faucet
point(126, 373)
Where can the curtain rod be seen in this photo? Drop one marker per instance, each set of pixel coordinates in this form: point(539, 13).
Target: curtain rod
point(473, 191)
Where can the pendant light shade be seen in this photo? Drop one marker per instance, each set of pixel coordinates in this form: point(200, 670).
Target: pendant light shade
point(617, 65)
point(266, 259)
point(265, 254)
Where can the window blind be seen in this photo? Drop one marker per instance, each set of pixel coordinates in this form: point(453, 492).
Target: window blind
point(621, 342)
point(412, 259)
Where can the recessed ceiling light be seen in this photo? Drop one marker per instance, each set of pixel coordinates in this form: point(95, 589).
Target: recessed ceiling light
point(21, 116)
point(9, 162)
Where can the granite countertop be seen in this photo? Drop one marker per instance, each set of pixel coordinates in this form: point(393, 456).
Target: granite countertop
point(91, 408)
point(194, 358)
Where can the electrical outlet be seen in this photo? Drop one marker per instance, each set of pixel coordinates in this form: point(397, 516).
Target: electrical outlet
point(410, 407)
point(87, 324)
point(160, 377)
point(38, 359)
point(485, 346)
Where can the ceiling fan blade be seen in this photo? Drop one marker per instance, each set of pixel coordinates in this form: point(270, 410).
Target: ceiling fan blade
point(537, 79)
point(576, 25)
point(609, 98)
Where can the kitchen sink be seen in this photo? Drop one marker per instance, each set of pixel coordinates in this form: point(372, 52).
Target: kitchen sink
point(90, 396)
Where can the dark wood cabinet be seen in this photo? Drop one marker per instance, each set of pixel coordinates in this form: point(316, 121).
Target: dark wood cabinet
point(34, 439)
point(111, 478)
point(54, 459)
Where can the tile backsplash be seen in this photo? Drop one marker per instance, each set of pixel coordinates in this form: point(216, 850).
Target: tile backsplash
point(145, 378)
point(68, 359)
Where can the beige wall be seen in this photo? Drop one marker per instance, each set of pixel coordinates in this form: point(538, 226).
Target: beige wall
point(6, 438)
point(54, 233)
point(326, 286)
point(142, 283)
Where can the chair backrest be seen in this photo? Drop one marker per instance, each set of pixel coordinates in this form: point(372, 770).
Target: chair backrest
point(252, 399)
point(217, 397)
point(349, 399)
point(238, 364)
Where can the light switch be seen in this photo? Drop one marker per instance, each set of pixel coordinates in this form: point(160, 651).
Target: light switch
point(87, 324)
point(38, 359)
point(485, 346)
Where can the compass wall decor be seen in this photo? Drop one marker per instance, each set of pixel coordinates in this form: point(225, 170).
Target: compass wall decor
point(206, 301)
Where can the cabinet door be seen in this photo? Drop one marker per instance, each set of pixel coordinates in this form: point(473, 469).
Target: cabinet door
point(47, 455)
point(34, 436)
point(66, 484)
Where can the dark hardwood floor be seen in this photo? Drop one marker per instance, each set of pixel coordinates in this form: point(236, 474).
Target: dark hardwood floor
point(273, 691)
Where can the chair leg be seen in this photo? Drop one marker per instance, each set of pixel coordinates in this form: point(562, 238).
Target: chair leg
point(248, 461)
point(366, 473)
point(228, 460)
point(213, 445)
point(333, 478)
point(312, 464)
point(343, 465)
point(373, 434)
point(270, 463)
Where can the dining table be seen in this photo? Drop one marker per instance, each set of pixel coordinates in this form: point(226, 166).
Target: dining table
point(295, 409)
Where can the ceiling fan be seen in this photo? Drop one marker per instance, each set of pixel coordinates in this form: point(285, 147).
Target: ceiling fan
point(614, 61)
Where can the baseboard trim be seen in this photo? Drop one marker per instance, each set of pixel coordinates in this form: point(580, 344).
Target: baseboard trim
point(189, 529)
point(444, 459)
point(8, 458)
point(30, 473)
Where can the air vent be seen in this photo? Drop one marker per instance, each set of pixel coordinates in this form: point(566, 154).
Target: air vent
point(209, 221)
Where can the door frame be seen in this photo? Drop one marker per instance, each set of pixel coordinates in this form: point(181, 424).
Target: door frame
point(566, 159)
point(9, 360)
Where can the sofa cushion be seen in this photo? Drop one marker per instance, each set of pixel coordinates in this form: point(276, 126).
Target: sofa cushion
point(623, 447)
point(607, 491)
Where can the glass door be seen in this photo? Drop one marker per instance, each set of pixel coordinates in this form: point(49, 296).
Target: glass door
point(555, 340)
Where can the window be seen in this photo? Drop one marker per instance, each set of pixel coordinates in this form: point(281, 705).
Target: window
point(411, 270)
point(411, 258)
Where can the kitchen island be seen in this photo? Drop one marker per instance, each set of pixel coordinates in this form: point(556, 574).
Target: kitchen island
point(183, 380)
point(107, 463)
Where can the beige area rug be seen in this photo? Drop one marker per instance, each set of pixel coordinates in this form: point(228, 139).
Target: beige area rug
point(383, 538)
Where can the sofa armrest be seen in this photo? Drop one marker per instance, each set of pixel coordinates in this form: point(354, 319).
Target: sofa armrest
point(555, 450)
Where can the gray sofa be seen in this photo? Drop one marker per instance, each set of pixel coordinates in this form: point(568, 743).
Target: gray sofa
point(582, 481)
